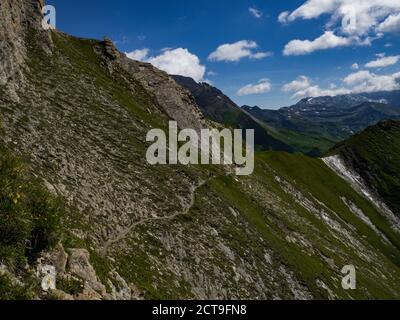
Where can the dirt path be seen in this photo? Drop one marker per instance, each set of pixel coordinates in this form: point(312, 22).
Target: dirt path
point(186, 209)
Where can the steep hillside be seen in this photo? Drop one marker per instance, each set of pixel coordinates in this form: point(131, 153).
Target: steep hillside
point(78, 196)
point(374, 155)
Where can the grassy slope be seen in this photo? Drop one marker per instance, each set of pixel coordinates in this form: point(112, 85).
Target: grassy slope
point(310, 143)
point(375, 155)
point(307, 143)
point(273, 224)
point(315, 179)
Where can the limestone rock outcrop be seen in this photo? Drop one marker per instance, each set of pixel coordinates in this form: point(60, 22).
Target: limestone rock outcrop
point(18, 19)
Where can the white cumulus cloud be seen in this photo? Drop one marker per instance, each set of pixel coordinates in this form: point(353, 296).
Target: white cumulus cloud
point(309, 10)
point(365, 81)
point(354, 21)
point(263, 86)
point(391, 24)
point(233, 52)
point(383, 61)
point(283, 17)
point(326, 41)
point(173, 61)
point(139, 55)
point(301, 83)
point(357, 82)
point(368, 15)
point(255, 12)
point(303, 87)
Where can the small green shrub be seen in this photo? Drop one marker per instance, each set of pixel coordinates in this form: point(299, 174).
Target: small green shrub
point(12, 291)
point(72, 286)
point(30, 217)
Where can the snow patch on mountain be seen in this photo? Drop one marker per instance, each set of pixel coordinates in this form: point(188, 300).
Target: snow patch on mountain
point(337, 164)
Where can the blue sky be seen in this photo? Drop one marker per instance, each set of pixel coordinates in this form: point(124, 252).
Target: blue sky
point(254, 67)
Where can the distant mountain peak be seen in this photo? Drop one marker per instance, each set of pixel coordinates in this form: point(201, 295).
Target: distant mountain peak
point(351, 100)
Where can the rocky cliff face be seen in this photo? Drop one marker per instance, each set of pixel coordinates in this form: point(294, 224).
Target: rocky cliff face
point(130, 230)
point(16, 19)
point(176, 102)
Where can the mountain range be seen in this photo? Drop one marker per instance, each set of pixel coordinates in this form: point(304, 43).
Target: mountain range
point(312, 126)
point(219, 108)
point(334, 118)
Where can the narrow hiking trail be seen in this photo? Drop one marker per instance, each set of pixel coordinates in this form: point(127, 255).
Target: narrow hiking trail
point(186, 209)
